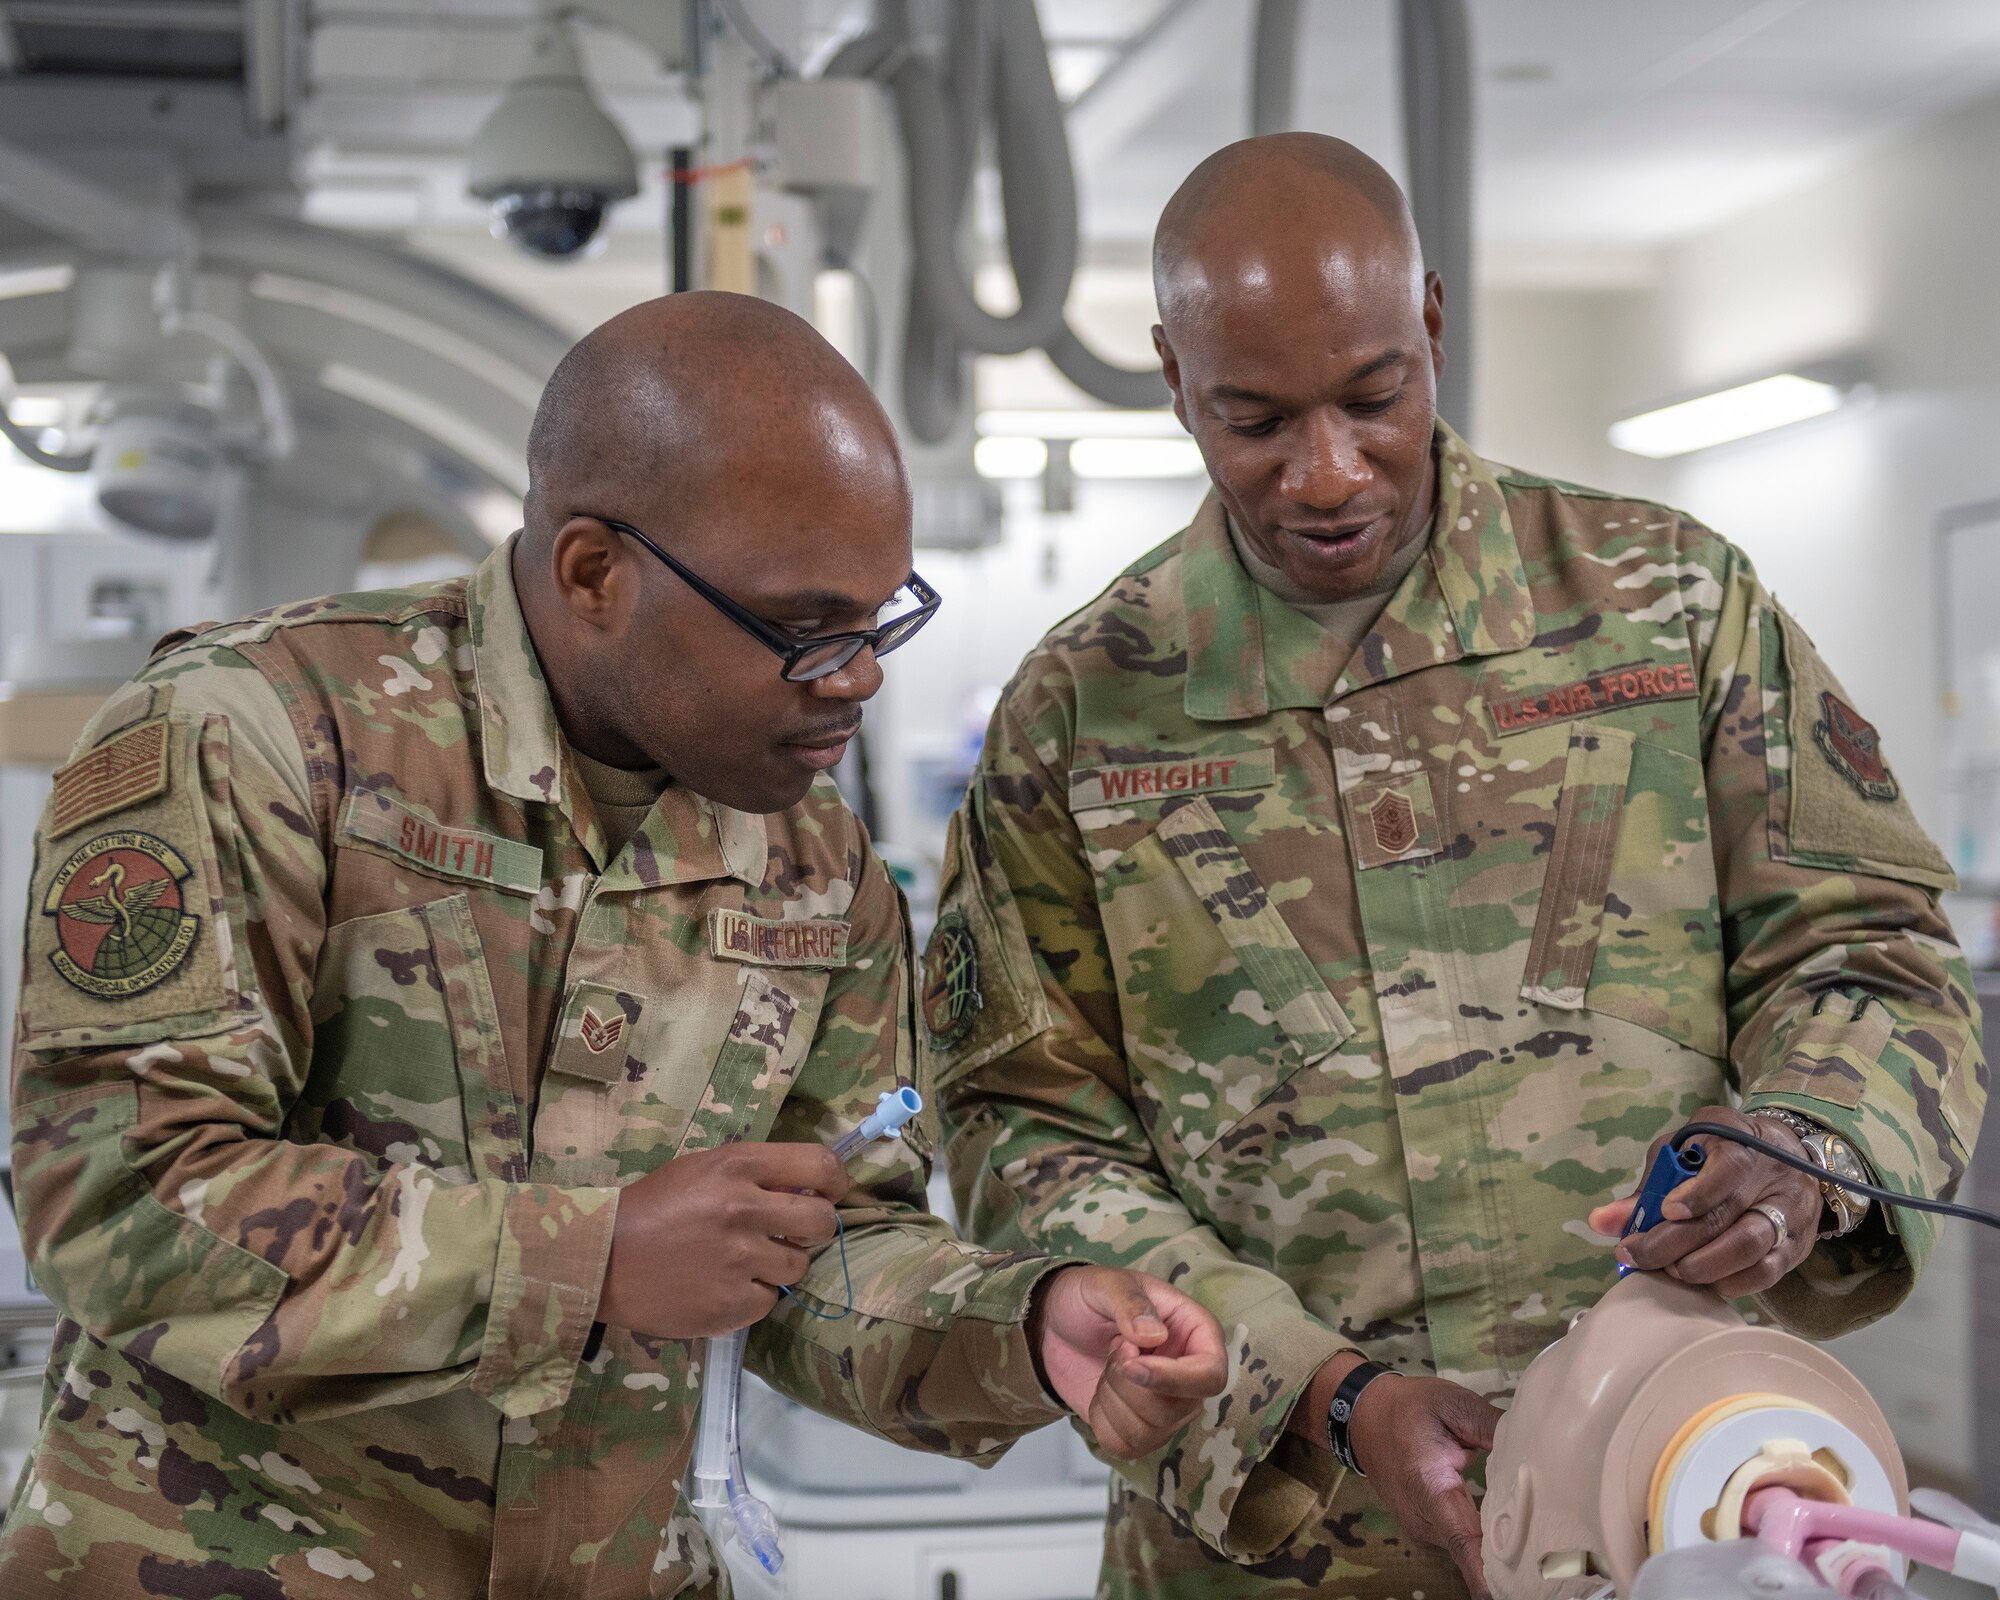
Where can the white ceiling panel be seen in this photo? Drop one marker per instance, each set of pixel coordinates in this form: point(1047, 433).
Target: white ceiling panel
point(1604, 125)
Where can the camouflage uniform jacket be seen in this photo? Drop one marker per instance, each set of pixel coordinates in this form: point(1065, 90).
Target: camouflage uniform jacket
point(339, 1034)
point(1336, 991)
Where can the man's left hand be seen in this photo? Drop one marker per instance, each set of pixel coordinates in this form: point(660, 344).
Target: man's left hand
point(1709, 1232)
point(1132, 1357)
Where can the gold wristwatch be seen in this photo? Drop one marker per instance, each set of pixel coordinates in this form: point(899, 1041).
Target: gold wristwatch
point(1834, 1155)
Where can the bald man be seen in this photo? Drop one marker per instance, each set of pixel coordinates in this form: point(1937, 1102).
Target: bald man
point(1352, 896)
point(436, 1006)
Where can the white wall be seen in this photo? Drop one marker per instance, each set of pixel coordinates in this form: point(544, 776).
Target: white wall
point(1892, 260)
point(938, 690)
point(1548, 365)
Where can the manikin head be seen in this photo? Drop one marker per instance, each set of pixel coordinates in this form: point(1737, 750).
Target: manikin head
point(733, 436)
point(1659, 1404)
point(1303, 341)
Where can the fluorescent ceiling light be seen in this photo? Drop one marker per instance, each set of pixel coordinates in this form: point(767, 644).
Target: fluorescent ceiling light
point(1004, 456)
point(1725, 415)
point(1135, 458)
point(1082, 424)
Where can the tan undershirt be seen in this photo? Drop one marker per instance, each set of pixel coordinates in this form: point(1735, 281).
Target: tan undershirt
point(1348, 620)
point(620, 797)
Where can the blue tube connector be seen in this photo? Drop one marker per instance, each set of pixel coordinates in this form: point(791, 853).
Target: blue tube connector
point(893, 1108)
point(1671, 1168)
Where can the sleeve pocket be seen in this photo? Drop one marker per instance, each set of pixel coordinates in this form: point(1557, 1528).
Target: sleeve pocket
point(125, 1265)
point(1832, 1056)
point(979, 994)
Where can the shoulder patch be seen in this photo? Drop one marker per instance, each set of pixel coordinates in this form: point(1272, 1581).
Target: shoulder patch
point(951, 997)
point(1853, 747)
point(122, 923)
point(127, 768)
point(1835, 803)
point(979, 994)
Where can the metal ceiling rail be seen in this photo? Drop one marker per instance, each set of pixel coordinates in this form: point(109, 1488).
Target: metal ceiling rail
point(215, 16)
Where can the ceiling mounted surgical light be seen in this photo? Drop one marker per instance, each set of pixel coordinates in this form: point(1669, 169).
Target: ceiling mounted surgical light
point(157, 444)
point(548, 157)
point(158, 464)
point(1734, 413)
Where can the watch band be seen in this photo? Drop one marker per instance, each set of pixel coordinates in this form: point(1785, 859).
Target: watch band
point(1826, 1149)
point(1804, 1127)
point(1340, 1412)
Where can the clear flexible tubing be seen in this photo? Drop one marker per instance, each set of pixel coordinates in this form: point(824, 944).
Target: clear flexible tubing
point(720, 1483)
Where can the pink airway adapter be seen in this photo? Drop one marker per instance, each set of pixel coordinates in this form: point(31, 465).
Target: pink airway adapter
point(1811, 1531)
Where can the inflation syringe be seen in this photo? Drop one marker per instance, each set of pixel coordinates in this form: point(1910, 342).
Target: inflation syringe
point(720, 1484)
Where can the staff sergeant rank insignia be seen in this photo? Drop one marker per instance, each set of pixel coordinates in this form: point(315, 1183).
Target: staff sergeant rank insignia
point(120, 920)
point(951, 980)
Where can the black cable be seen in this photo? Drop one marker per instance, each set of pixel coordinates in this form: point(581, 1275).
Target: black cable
point(1888, 1197)
point(26, 441)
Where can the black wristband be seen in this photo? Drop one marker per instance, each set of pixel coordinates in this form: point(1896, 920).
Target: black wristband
point(1340, 1412)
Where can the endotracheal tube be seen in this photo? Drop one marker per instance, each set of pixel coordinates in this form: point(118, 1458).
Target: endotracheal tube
point(720, 1484)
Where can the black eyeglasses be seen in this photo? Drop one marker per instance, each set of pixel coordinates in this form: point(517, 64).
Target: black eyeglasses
point(816, 657)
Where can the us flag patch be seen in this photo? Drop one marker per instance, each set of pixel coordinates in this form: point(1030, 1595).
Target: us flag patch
point(120, 772)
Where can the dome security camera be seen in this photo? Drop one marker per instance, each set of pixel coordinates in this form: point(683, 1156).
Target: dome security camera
point(548, 158)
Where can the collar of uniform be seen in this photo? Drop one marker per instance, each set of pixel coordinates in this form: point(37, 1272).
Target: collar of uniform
point(687, 838)
point(1469, 597)
point(520, 741)
point(1477, 558)
point(1248, 652)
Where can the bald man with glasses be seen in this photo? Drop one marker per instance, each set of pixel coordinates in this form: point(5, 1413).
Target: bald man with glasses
point(437, 1004)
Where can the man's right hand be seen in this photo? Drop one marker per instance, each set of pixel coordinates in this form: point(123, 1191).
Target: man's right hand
point(1413, 1437)
point(704, 1244)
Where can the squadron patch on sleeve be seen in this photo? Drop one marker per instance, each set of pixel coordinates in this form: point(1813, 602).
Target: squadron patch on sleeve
point(122, 926)
point(1853, 748)
point(951, 997)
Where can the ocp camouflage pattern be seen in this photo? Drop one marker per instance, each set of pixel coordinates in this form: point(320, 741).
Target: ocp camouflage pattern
point(1337, 991)
point(326, 1203)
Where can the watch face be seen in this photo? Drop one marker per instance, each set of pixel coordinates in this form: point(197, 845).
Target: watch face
point(1842, 1162)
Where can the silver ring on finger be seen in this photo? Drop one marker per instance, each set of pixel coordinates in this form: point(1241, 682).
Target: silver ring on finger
point(1777, 1221)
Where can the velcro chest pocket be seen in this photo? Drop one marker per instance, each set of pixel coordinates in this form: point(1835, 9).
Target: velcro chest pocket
point(408, 1062)
point(1219, 1003)
point(777, 1015)
point(1629, 919)
point(634, 1080)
